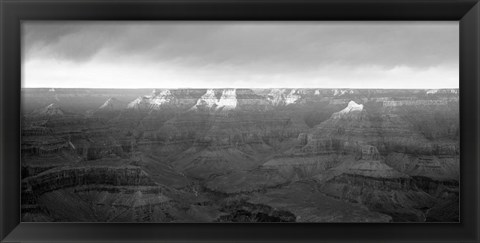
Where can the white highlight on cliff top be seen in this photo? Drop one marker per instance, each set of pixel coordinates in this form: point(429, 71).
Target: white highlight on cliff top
point(109, 104)
point(52, 109)
point(228, 100)
point(208, 99)
point(351, 107)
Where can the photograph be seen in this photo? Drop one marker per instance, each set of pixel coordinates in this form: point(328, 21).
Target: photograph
point(240, 121)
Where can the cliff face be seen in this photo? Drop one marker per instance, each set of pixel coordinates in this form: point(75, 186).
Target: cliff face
point(60, 190)
point(403, 199)
point(309, 204)
point(55, 179)
point(436, 167)
point(385, 189)
point(106, 193)
point(345, 132)
point(381, 189)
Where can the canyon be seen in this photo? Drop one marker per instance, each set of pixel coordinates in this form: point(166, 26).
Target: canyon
point(240, 155)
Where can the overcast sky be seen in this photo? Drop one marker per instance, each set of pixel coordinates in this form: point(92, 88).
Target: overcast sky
point(176, 54)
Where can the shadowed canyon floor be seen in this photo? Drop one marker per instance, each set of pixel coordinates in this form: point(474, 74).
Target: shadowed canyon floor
point(240, 155)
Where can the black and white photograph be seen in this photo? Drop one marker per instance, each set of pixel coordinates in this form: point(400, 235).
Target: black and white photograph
point(240, 121)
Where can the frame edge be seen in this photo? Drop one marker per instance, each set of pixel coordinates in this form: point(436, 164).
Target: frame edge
point(473, 16)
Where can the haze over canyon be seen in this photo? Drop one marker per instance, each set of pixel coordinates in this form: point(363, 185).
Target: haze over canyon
point(240, 155)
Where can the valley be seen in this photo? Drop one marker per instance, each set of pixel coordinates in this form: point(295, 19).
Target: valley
point(240, 155)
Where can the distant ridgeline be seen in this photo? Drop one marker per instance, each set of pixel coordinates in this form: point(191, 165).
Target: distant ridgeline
point(84, 100)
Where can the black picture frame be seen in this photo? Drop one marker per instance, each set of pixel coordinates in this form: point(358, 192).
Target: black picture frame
point(13, 12)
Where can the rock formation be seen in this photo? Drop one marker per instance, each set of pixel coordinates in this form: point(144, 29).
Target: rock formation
point(238, 155)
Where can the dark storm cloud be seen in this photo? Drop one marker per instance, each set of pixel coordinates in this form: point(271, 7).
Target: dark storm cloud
point(266, 46)
point(66, 40)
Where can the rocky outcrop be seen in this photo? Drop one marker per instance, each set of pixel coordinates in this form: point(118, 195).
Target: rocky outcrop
point(51, 110)
point(375, 169)
point(308, 204)
point(369, 153)
point(112, 104)
point(156, 101)
point(340, 92)
point(283, 97)
point(55, 179)
point(353, 110)
point(111, 185)
point(381, 189)
point(207, 101)
point(354, 126)
point(384, 189)
point(165, 99)
point(301, 167)
point(438, 168)
point(413, 103)
point(228, 100)
point(243, 211)
point(441, 91)
point(44, 145)
point(107, 204)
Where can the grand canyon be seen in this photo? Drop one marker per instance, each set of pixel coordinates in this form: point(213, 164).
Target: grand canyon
point(240, 155)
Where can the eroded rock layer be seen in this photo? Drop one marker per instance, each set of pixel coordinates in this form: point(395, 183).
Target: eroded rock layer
point(240, 155)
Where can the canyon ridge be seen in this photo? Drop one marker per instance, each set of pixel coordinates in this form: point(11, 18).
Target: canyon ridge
point(240, 155)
